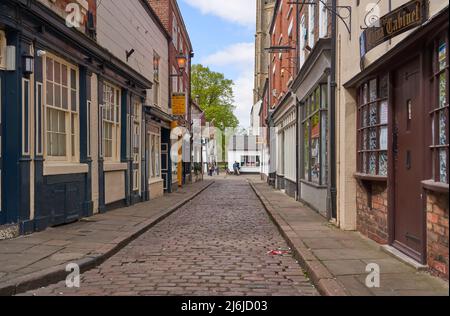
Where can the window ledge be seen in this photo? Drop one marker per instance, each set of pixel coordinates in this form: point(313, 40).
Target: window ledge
point(153, 181)
point(370, 177)
point(115, 166)
point(313, 184)
point(61, 168)
point(435, 186)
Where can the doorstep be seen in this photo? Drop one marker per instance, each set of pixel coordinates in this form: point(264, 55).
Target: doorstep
point(403, 258)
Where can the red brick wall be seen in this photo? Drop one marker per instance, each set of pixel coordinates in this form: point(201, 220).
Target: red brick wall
point(161, 8)
point(165, 9)
point(437, 233)
point(279, 80)
point(372, 216)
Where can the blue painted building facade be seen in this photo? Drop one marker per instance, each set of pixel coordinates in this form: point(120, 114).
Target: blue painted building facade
point(74, 119)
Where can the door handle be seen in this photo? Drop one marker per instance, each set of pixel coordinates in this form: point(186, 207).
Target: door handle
point(408, 160)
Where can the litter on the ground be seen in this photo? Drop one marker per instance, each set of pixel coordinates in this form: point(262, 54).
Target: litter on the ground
point(279, 252)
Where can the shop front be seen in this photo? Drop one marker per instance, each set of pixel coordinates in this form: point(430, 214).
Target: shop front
point(311, 88)
point(402, 146)
point(159, 173)
point(284, 118)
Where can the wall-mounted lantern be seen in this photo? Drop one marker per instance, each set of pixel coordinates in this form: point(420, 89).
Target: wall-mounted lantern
point(28, 64)
point(181, 61)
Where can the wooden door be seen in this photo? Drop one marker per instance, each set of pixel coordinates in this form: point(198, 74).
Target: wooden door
point(408, 161)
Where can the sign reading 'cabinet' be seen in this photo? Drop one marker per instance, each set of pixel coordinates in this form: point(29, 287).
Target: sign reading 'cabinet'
point(400, 20)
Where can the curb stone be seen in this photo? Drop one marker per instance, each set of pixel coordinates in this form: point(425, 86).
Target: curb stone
point(321, 277)
point(58, 273)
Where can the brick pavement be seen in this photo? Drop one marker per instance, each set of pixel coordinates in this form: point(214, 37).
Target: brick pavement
point(215, 245)
point(39, 259)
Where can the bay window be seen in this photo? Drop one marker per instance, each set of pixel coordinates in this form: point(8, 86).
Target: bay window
point(61, 108)
point(439, 112)
point(111, 122)
point(315, 136)
point(373, 127)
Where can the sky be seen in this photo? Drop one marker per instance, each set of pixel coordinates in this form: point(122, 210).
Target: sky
point(222, 35)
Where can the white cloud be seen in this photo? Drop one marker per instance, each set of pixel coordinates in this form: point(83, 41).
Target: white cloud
point(238, 59)
point(237, 11)
point(240, 54)
point(243, 92)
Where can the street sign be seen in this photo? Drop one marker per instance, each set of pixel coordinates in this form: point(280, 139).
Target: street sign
point(179, 104)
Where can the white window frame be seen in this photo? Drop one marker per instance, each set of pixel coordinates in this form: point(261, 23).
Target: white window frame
point(111, 115)
point(311, 25)
point(137, 144)
point(302, 40)
point(72, 127)
point(323, 20)
point(156, 79)
point(155, 156)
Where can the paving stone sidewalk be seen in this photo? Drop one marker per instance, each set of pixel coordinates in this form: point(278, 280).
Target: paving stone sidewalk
point(39, 259)
point(336, 260)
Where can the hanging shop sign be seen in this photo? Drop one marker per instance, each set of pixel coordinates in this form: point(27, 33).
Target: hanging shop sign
point(179, 104)
point(396, 22)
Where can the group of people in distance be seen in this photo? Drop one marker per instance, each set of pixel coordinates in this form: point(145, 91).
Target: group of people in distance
point(214, 169)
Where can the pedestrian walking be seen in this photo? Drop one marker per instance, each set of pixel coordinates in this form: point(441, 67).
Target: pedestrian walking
point(217, 170)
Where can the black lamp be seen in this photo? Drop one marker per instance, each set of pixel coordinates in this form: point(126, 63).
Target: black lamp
point(28, 64)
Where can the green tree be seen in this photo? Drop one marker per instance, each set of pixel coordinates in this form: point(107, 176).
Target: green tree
point(215, 96)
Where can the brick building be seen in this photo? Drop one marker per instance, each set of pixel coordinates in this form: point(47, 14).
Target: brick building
point(283, 68)
point(394, 102)
point(180, 84)
point(85, 109)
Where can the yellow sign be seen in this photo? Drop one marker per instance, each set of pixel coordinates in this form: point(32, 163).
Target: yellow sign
point(179, 104)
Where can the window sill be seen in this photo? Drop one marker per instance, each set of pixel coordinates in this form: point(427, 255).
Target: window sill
point(312, 184)
point(155, 180)
point(62, 168)
point(114, 166)
point(369, 177)
point(433, 186)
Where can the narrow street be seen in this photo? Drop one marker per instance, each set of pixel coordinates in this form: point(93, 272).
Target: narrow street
point(217, 244)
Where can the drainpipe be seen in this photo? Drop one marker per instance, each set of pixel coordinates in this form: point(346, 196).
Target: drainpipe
point(297, 104)
point(333, 190)
point(297, 136)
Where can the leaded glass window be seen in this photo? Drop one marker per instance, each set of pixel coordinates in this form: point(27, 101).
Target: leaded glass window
point(439, 112)
point(373, 127)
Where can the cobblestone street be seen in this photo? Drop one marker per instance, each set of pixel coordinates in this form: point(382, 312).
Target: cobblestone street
point(215, 245)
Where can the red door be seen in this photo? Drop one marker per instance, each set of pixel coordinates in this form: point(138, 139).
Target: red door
point(408, 162)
